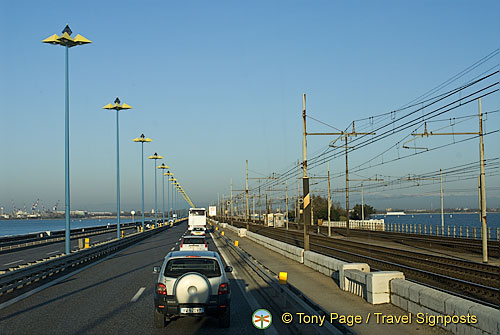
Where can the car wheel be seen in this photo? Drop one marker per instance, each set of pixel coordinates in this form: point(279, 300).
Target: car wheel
point(159, 319)
point(225, 319)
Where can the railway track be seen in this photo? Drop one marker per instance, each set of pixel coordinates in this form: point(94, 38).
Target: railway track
point(428, 241)
point(476, 281)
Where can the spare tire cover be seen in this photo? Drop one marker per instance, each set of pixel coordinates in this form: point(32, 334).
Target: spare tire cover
point(192, 288)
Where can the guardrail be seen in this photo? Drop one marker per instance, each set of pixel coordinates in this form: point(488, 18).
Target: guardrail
point(11, 243)
point(18, 279)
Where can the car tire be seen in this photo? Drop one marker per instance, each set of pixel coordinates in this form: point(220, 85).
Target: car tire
point(159, 319)
point(225, 319)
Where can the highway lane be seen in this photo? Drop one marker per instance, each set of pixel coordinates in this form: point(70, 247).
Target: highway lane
point(23, 256)
point(115, 296)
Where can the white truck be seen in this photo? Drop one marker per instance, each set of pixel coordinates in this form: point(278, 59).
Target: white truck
point(197, 218)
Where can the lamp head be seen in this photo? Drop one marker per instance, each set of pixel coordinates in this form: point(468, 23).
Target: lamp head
point(67, 29)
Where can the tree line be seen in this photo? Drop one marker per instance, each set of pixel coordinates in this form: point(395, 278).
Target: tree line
point(337, 213)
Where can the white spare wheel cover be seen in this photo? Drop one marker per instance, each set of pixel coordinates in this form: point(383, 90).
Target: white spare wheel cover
point(192, 288)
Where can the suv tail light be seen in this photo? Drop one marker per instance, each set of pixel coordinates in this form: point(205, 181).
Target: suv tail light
point(223, 288)
point(182, 242)
point(206, 245)
point(162, 289)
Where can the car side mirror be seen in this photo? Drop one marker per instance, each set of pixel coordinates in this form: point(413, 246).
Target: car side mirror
point(229, 269)
point(156, 269)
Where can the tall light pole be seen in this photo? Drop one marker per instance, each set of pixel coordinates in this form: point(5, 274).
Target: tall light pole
point(168, 173)
point(117, 107)
point(172, 180)
point(155, 157)
point(67, 42)
point(163, 167)
point(142, 139)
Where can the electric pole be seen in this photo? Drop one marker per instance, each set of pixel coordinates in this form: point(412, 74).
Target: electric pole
point(246, 193)
point(482, 189)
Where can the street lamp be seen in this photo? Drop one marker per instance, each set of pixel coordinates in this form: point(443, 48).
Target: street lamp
point(68, 42)
point(168, 173)
point(142, 139)
point(155, 157)
point(117, 107)
point(173, 180)
point(163, 166)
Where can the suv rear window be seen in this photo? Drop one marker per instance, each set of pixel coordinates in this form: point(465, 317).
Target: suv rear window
point(195, 240)
point(179, 266)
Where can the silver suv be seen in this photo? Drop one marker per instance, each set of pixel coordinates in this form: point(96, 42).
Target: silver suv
point(192, 283)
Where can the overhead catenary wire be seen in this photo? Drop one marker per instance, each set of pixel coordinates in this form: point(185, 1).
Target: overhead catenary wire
point(328, 154)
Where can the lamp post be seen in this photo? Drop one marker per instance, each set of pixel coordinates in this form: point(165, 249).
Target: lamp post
point(117, 107)
point(142, 139)
point(155, 157)
point(172, 180)
point(168, 173)
point(163, 166)
point(67, 42)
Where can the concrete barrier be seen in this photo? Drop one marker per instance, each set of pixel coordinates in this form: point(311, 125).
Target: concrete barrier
point(328, 266)
point(424, 301)
point(287, 250)
point(378, 288)
point(344, 280)
point(242, 232)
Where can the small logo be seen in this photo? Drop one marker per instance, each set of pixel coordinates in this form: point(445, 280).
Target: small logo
point(262, 319)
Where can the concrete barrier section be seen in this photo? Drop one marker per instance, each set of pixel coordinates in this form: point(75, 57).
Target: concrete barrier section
point(287, 250)
point(343, 281)
point(328, 266)
point(355, 282)
point(242, 232)
point(416, 298)
point(378, 290)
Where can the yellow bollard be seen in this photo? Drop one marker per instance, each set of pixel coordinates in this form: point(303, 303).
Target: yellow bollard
point(222, 233)
point(283, 276)
point(216, 228)
point(142, 229)
point(87, 243)
point(236, 243)
point(123, 234)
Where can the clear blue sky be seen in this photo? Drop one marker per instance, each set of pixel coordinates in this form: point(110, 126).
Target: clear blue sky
point(216, 82)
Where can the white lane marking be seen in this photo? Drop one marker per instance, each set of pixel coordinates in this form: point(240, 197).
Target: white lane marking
point(22, 260)
point(138, 294)
point(53, 252)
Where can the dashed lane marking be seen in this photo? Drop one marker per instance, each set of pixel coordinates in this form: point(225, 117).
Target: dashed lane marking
point(19, 261)
point(138, 294)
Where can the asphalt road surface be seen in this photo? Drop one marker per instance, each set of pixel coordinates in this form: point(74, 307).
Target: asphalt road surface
point(116, 297)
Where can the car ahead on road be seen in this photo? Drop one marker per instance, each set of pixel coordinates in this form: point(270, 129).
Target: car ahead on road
point(192, 283)
point(193, 243)
point(198, 231)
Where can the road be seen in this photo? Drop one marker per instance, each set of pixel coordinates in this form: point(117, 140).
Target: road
point(115, 296)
